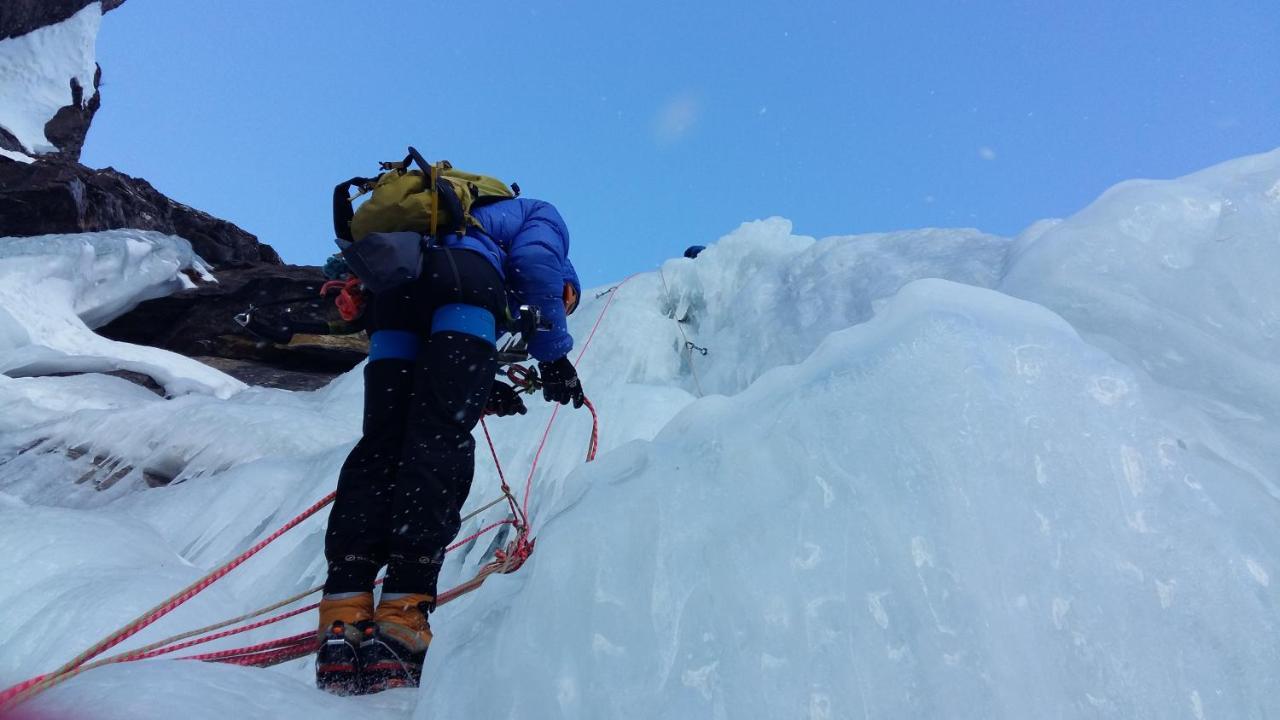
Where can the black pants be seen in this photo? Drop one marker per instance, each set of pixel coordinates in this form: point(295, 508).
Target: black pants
point(401, 490)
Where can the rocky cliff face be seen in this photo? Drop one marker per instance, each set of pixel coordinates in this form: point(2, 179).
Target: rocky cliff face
point(57, 196)
point(55, 193)
point(70, 124)
point(19, 17)
point(52, 192)
point(200, 323)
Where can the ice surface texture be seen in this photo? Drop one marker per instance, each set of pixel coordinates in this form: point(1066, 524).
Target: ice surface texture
point(55, 287)
point(935, 474)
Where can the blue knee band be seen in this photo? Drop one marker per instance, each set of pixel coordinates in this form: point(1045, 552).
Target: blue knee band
point(468, 319)
point(394, 345)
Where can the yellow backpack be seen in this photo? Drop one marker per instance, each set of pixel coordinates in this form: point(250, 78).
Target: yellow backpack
point(433, 199)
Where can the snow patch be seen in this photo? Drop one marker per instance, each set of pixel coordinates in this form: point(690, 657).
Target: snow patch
point(59, 286)
point(36, 71)
point(15, 155)
point(1207, 322)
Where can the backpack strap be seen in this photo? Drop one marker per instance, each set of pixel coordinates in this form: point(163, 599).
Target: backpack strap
point(447, 195)
point(442, 192)
point(342, 210)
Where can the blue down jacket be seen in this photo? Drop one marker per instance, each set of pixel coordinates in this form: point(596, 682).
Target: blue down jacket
point(527, 241)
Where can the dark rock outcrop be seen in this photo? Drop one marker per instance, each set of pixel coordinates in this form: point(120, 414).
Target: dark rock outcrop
point(300, 377)
point(51, 196)
point(190, 322)
point(68, 127)
point(8, 142)
point(19, 17)
point(201, 323)
point(57, 194)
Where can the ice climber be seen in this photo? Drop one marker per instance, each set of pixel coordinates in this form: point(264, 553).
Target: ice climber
point(429, 379)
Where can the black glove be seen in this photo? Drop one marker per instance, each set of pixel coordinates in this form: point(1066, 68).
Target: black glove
point(560, 382)
point(504, 401)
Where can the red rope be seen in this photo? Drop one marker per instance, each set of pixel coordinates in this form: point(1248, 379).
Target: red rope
point(275, 657)
point(502, 478)
point(519, 550)
point(169, 605)
point(218, 636)
point(595, 430)
point(477, 535)
point(595, 421)
point(21, 687)
point(309, 636)
point(174, 602)
point(509, 560)
point(294, 646)
point(528, 483)
point(521, 521)
point(613, 294)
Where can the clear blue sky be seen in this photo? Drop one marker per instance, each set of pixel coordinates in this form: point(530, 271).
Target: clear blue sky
point(658, 125)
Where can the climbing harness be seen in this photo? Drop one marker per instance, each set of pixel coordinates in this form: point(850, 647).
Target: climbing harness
point(506, 560)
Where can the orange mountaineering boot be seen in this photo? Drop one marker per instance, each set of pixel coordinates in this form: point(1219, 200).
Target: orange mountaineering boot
point(394, 646)
point(337, 661)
